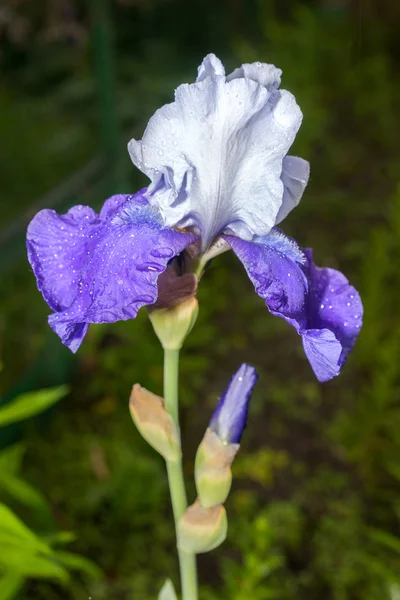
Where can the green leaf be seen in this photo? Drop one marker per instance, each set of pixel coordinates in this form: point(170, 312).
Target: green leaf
point(24, 493)
point(11, 458)
point(379, 568)
point(75, 562)
point(30, 404)
point(11, 527)
point(167, 591)
point(60, 538)
point(384, 539)
point(10, 584)
point(27, 563)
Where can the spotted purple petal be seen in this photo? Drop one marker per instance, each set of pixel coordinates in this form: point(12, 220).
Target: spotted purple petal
point(320, 303)
point(100, 268)
point(333, 304)
point(230, 416)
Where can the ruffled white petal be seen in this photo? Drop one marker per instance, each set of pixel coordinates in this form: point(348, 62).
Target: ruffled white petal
point(211, 66)
point(295, 176)
point(214, 156)
point(267, 75)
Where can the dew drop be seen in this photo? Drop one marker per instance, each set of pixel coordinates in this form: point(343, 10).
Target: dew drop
point(149, 267)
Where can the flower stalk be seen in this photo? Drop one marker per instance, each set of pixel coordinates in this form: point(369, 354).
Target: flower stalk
point(187, 561)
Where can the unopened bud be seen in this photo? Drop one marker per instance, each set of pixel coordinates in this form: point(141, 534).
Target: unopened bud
point(154, 423)
point(221, 441)
point(230, 416)
point(213, 469)
point(202, 529)
point(173, 325)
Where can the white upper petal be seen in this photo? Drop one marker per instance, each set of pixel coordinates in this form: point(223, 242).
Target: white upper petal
point(214, 156)
point(211, 66)
point(295, 176)
point(267, 75)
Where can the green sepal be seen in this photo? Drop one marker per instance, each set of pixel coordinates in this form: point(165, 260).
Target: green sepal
point(173, 325)
point(213, 469)
point(202, 529)
point(154, 423)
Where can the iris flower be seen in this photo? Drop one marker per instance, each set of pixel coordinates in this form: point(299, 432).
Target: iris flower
point(220, 178)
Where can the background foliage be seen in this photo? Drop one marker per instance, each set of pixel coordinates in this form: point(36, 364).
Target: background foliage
point(316, 504)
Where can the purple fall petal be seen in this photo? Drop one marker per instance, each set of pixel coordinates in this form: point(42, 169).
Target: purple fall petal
point(320, 303)
point(230, 416)
point(100, 268)
point(56, 247)
point(333, 304)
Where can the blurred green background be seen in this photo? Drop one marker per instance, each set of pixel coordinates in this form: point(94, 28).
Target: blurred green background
point(314, 512)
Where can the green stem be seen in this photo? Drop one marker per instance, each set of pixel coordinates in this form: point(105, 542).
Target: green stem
point(187, 562)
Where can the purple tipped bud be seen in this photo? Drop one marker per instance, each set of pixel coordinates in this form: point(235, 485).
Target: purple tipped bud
point(230, 416)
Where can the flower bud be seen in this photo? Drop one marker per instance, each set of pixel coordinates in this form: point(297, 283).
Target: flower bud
point(221, 441)
point(154, 423)
point(173, 325)
point(202, 529)
point(230, 416)
point(212, 469)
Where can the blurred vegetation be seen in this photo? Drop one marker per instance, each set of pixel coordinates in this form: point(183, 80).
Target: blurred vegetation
point(316, 503)
point(25, 554)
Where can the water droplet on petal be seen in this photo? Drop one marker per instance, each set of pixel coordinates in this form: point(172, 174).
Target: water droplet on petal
point(149, 267)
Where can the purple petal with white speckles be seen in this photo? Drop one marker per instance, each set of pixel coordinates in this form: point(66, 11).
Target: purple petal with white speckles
point(100, 268)
point(334, 304)
point(320, 303)
point(57, 246)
